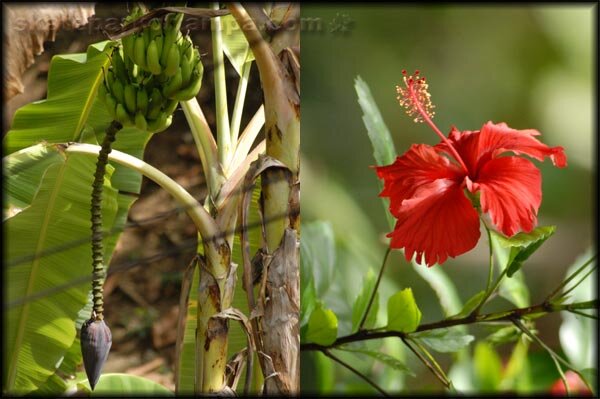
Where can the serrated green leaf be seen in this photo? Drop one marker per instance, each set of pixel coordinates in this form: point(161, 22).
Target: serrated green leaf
point(403, 313)
point(322, 326)
point(470, 305)
point(445, 340)
point(522, 245)
point(384, 358)
point(362, 301)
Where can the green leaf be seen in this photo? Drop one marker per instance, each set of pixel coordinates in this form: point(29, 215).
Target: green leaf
point(522, 246)
point(590, 376)
point(322, 326)
point(384, 358)
point(403, 313)
point(125, 385)
point(443, 286)
point(24, 170)
point(504, 335)
point(470, 305)
point(317, 255)
point(41, 331)
point(487, 366)
point(381, 139)
point(362, 301)
point(235, 45)
point(308, 300)
point(73, 80)
point(578, 334)
point(445, 339)
point(187, 357)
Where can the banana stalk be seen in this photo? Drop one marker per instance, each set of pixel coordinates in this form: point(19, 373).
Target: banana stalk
point(279, 326)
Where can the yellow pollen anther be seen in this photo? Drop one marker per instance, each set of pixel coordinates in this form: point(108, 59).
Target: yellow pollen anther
point(415, 98)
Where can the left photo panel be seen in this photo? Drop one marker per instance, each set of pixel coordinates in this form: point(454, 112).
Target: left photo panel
point(151, 199)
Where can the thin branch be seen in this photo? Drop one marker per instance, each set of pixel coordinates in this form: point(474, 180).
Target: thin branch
point(496, 317)
point(374, 293)
point(427, 363)
point(567, 292)
point(355, 371)
point(580, 313)
point(568, 279)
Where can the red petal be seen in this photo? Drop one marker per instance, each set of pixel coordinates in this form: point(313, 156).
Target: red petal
point(511, 192)
point(497, 139)
point(419, 166)
point(437, 222)
point(465, 143)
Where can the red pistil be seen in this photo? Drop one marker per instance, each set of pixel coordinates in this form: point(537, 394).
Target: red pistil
point(417, 101)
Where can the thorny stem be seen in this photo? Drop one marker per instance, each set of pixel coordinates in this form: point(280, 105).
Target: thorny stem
point(374, 293)
point(355, 371)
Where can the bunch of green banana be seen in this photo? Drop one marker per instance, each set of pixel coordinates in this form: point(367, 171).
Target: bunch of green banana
point(132, 96)
point(163, 51)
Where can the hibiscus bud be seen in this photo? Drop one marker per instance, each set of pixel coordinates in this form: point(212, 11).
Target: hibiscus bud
point(96, 340)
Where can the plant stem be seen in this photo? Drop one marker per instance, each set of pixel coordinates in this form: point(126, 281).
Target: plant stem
point(247, 138)
point(568, 279)
point(355, 371)
point(223, 136)
point(374, 293)
point(491, 267)
point(426, 362)
point(205, 143)
point(98, 267)
point(206, 225)
point(240, 97)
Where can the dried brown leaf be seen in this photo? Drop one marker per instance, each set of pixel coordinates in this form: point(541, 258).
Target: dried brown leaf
point(26, 29)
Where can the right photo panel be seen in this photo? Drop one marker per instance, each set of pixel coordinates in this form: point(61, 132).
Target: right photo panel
point(448, 200)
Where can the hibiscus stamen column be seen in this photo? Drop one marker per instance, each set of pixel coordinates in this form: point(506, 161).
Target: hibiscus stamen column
point(417, 101)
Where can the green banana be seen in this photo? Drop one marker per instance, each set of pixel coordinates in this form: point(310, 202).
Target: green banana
point(186, 71)
point(129, 94)
point(192, 89)
point(155, 105)
point(155, 28)
point(140, 121)
point(119, 67)
point(142, 101)
point(146, 35)
point(173, 85)
point(122, 115)
point(161, 123)
point(159, 46)
point(152, 60)
point(139, 52)
point(117, 90)
point(102, 92)
point(172, 61)
point(111, 105)
point(128, 42)
point(171, 33)
point(170, 106)
point(109, 77)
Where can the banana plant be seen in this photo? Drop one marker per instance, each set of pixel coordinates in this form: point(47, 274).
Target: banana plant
point(119, 93)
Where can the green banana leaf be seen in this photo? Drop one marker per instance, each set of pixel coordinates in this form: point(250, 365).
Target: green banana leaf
point(40, 322)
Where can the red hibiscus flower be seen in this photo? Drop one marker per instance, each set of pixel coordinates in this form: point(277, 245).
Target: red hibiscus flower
point(432, 189)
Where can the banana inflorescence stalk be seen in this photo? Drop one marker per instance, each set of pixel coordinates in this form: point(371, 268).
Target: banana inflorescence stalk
point(148, 75)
